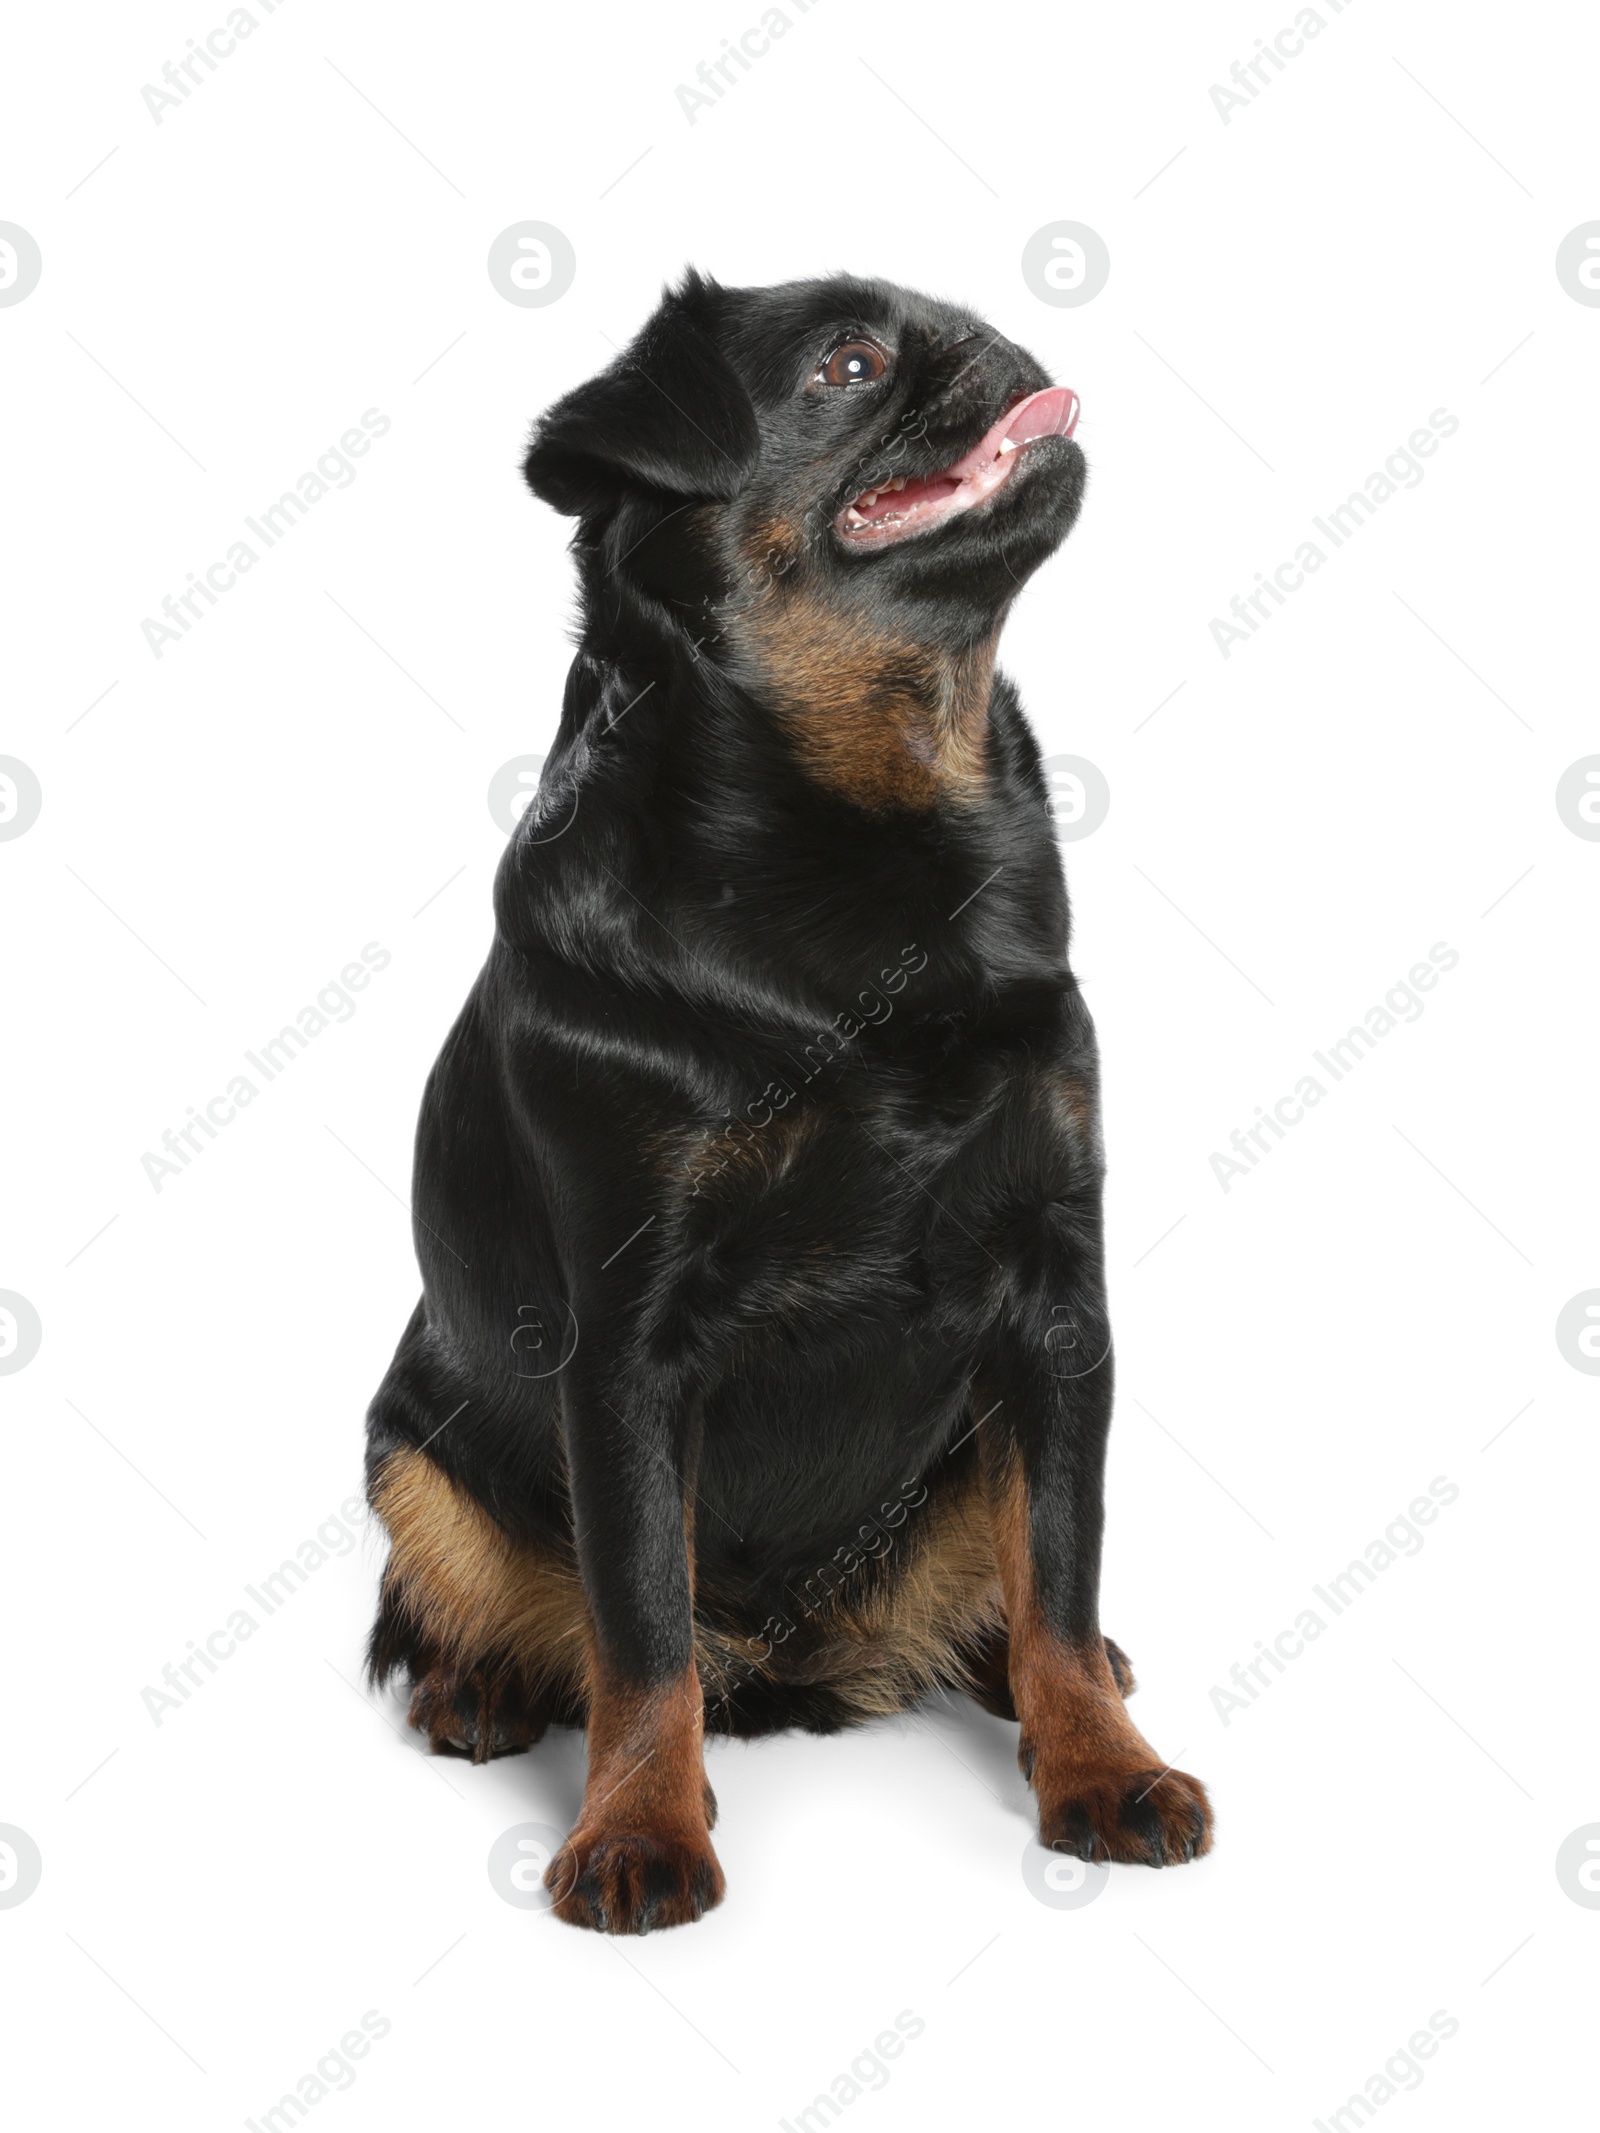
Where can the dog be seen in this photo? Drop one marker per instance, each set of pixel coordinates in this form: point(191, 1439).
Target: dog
point(762, 1373)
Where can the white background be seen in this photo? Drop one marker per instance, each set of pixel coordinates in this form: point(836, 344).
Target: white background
point(1370, 239)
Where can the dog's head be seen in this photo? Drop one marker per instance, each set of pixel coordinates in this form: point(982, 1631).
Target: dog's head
point(874, 446)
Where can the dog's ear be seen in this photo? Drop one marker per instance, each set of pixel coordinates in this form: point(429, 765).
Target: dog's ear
point(670, 412)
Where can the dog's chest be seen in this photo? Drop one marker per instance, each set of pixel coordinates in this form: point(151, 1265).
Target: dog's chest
point(811, 1212)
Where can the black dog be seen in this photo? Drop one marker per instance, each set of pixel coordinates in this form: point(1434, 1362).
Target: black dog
point(762, 1372)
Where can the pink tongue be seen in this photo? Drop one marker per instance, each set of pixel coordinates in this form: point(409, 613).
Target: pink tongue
point(1048, 414)
point(1052, 413)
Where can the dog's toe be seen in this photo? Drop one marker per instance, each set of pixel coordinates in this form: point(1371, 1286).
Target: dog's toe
point(465, 1712)
point(634, 1881)
point(1121, 1669)
point(1136, 1818)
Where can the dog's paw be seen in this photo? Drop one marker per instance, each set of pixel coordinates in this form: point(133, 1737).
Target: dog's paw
point(1121, 1668)
point(1136, 1818)
point(464, 1712)
point(634, 1881)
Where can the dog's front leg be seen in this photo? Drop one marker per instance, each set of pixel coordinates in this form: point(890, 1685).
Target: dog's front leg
point(641, 1854)
point(1045, 1395)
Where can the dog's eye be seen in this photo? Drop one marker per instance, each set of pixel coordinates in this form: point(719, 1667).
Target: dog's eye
point(854, 363)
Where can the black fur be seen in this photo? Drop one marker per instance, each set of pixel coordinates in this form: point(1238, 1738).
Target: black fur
point(763, 1159)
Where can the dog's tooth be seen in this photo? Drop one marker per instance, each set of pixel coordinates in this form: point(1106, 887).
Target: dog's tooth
point(869, 499)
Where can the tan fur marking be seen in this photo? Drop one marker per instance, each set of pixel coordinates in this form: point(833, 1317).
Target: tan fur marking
point(478, 1593)
point(765, 1151)
point(640, 1856)
point(1085, 1758)
point(1067, 1700)
point(880, 718)
point(879, 1644)
point(1077, 1103)
point(645, 1759)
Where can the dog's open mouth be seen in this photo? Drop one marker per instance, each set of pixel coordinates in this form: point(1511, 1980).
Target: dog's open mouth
point(913, 502)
